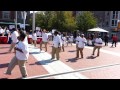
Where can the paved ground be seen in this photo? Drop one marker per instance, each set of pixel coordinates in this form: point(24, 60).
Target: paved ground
point(105, 66)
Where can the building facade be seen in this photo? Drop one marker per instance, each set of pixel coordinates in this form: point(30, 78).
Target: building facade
point(8, 17)
point(109, 20)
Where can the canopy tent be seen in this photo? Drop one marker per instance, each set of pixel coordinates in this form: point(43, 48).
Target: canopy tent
point(97, 30)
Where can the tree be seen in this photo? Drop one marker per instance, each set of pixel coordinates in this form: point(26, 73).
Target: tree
point(70, 23)
point(85, 21)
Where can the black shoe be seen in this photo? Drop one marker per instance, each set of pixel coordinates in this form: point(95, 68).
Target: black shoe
point(7, 73)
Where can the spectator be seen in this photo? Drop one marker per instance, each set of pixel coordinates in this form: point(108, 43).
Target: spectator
point(114, 40)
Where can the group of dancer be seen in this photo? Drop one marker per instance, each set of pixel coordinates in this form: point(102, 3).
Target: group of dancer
point(21, 47)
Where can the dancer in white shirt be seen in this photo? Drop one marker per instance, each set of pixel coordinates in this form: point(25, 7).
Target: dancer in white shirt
point(20, 58)
point(14, 37)
point(63, 38)
point(57, 44)
point(98, 45)
point(80, 45)
point(44, 40)
point(70, 40)
point(34, 38)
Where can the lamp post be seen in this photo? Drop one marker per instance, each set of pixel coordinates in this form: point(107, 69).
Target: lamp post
point(24, 14)
point(33, 22)
point(16, 20)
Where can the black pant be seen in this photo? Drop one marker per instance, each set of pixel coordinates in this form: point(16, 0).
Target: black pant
point(113, 43)
point(106, 42)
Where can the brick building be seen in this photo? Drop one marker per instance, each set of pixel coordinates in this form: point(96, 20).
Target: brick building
point(8, 18)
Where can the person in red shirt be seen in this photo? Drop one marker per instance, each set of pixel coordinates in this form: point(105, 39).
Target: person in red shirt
point(114, 40)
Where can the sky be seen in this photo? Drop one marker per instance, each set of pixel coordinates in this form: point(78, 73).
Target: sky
point(32, 11)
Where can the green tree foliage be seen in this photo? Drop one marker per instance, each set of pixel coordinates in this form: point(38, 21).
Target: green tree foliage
point(70, 23)
point(85, 21)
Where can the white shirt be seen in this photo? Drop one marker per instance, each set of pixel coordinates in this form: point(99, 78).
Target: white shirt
point(38, 33)
point(98, 42)
point(44, 37)
point(7, 31)
point(24, 47)
point(63, 40)
point(26, 40)
point(81, 42)
point(1, 31)
point(34, 36)
point(14, 36)
point(71, 39)
point(77, 39)
point(57, 41)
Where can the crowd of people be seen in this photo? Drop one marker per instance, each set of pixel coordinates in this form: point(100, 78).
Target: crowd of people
point(59, 40)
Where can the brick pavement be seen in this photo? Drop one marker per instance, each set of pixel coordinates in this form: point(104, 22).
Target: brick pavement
point(68, 57)
point(33, 67)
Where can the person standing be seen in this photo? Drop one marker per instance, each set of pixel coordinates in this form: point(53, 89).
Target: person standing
point(44, 40)
point(63, 38)
point(106, 37)
point(80, 45)
point(57, 44)
point(114, 40)
point(98, 45)
point(14, 37)
point(34, 38)
point(20, 58)
point(1, 31)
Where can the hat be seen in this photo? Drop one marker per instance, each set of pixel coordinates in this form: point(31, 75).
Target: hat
point(82, 34)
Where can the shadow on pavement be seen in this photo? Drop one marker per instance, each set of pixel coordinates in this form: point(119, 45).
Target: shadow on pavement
point(43, 62)
point(4, 65)
point(4, 47)
point(72, 60)
point(4, 53)
point(91, 57)
point(34, 53)
point(72, 51)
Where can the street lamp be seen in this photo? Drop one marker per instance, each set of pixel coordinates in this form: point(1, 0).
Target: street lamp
point(16, 20)
point(24, 14)
point(33, 22)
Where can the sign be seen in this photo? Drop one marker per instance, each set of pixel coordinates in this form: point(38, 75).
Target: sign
point(11, 26)
point(22, 25)
point(37, 28)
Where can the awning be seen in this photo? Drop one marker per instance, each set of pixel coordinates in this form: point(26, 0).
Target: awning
point(11, 23)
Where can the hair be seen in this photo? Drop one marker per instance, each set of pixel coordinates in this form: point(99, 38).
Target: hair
point(34, 31)
point(56, 32)
point(22, 35)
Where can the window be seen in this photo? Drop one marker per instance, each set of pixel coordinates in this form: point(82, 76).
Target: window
point(114, 18)
point(6, 14)
point(114, 22)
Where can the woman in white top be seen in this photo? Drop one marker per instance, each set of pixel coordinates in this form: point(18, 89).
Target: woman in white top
point(80, 45)
point(98, 45)
point(44, 40)
point(14, 37)
point(70, 40)
point(20, 58)
point(63, 39)
point(34, 38)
